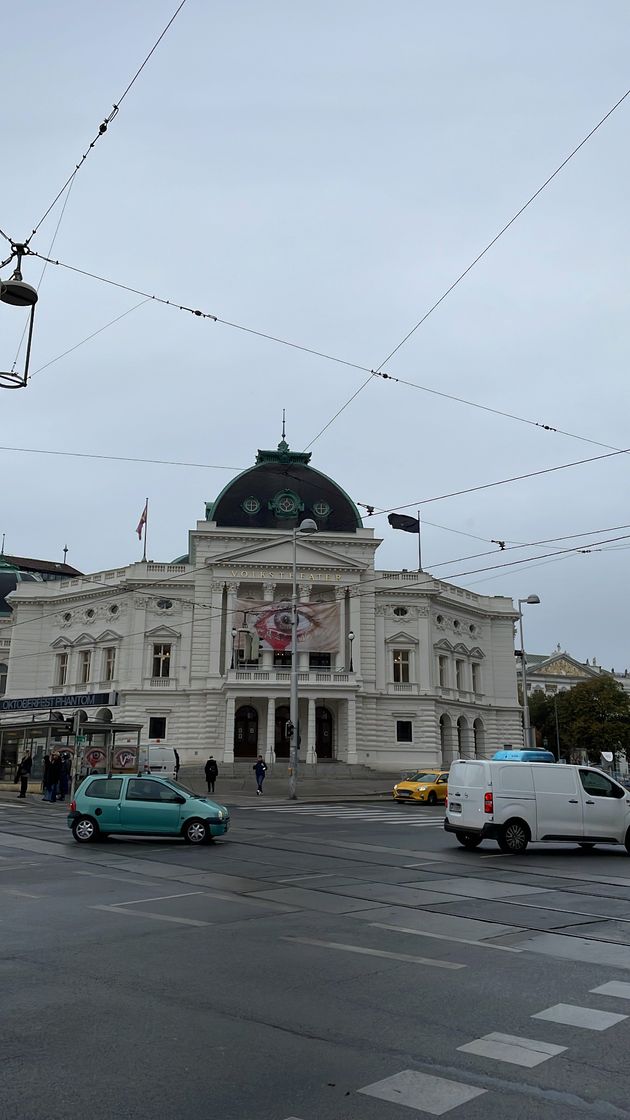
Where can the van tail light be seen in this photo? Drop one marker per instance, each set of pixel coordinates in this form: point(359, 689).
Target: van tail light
point(488, 803)
point(73, 806)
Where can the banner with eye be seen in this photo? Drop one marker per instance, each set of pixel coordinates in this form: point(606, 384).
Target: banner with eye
point(317, 625)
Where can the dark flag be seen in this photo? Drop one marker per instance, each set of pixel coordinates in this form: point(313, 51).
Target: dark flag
point(404, 522)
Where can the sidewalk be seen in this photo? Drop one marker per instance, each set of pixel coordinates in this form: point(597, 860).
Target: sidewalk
point(242, 791)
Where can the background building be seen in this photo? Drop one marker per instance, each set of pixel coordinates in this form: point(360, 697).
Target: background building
point(396, 669)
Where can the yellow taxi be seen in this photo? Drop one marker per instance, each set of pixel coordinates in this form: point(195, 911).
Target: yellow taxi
point(426, 785)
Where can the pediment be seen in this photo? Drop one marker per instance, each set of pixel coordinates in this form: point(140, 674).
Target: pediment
point(444, 644)
point(162, 632)
point(401, 638)
point(84, 640)
point(109, 636)
point(563, 666)
point(61, 643)
point(280, 554)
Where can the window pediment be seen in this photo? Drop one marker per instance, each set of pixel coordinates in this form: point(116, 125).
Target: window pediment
point(108, 636)
point(159, 633)
point(401, 639)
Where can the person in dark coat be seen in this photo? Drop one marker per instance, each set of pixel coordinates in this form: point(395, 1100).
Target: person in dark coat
point(54, 777)
point(46, 778)
point(260, 769)
point(64, 779)
point(212, 773)
point(176, 763)
point(23, 773)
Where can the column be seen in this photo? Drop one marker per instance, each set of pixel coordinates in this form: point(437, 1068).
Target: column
point(270, 756)
point(311, 754)
point(340, 596)
point(228, 749)
point(266, 662)
point(216, 618)
point(379, 634)
point(355, 626)
point(304, 595)
point(351, 731)
point(230, 622)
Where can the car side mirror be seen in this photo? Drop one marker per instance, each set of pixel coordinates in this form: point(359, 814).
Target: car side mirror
point(179, 800)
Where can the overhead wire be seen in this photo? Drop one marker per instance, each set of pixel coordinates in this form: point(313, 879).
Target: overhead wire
point(89, 337)
point(119, 458)
point(105, 124)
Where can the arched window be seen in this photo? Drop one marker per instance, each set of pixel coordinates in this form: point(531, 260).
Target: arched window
point(479, 738)
point(246, 732)
point(323, 733)
point(446, 740)
point(4, 671)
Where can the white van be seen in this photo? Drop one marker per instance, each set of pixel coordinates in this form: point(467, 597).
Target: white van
point(514, 803)
point(161, 760)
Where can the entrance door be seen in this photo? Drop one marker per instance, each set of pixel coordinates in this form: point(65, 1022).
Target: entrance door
point(323, 733)
point(246, 733)
point(282, 741)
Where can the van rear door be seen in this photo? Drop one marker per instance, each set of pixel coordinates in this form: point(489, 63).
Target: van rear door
point(558, 802)
point(467, 783)
point(605, 807)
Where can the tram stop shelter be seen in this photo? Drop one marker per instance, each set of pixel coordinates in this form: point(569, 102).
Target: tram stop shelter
point(105, 745)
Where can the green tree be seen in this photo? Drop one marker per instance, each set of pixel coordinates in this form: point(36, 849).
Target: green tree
point(592, 717)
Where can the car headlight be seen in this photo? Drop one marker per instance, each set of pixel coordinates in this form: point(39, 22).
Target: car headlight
point(220, 815)
point(421, 788)
point(395, 788)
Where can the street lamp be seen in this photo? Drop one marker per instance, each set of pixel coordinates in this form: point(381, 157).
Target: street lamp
point(17, 293)
point(308, 526)
point(351, 639)
point(531, 599)
point(234, 633)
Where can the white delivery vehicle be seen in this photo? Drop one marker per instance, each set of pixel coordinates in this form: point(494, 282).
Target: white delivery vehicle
point(515, 803)
point(161, 760)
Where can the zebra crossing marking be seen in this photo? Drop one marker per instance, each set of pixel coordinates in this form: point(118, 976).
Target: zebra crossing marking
point(385, 815)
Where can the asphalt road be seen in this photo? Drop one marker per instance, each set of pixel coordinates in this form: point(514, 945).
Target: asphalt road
point(320, 963)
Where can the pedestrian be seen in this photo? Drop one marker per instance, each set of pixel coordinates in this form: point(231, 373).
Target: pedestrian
point(211, 771)
point(260, 769)
point(64, 779)
point(176, 763)
point(23, 772)
point(54, 777)
point(46, 778)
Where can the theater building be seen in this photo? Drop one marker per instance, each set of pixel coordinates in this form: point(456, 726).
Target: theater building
point(396, 669)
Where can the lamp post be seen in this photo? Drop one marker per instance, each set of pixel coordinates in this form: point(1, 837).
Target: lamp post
point(351, 639)
point(531, 599)
point(234, 633)
point(308, 526)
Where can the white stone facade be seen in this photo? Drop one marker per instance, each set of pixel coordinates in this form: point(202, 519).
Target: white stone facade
point(429, 675)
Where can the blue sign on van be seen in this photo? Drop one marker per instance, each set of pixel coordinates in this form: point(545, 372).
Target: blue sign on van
point(523, 756)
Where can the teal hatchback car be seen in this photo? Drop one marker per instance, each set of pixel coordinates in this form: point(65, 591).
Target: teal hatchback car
point(143, 805)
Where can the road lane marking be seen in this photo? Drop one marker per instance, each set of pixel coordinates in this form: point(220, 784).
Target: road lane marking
point(320, 875)
point(509, 1048)
point(116, 878)
point(150, 914)
point(571, 1015)
point(158, 898)
point(377, 953)
point(617, 988)
point(444, 937)
point(422, 1091)
point(20, 894)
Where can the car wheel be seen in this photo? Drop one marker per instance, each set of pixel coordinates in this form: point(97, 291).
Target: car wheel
point(514, 837)
point(85, 830)
point(196, 832)
point(432, 798)
point(468, 841)
point(587, 847)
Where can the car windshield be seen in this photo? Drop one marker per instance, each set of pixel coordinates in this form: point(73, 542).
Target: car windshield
point(422, 777)
point(184, 789)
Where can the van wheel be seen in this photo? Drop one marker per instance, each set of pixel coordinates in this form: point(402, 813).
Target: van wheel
point(514, 837)
point(468, 841)
point(627, 842)
point(432, 798)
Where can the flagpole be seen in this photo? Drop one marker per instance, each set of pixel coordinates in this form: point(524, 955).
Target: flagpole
point(146, 522)
point(419, 544)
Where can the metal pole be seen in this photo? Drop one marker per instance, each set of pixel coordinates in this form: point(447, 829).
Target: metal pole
point(146, 525)
point(293, 702)
point(555, 710)
point(419, 544)
point(526, 732)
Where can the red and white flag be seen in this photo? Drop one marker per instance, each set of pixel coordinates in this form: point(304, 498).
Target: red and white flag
point(143, 520)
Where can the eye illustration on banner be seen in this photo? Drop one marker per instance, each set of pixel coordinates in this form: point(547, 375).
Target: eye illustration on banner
point(274, 625)
point(95, 757)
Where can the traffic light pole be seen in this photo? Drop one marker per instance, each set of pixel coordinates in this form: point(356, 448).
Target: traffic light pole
point(293, 701)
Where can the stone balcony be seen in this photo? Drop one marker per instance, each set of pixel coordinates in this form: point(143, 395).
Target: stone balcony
point(282, 677)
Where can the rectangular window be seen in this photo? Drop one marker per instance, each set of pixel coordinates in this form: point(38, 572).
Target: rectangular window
point(85, 664)
point(476, 677)
point(61, 669)
point(459, 675)
point(110, 663)
point(443, 671)
point(401, 666)
point(282, 660)
point(157, 727)
point(161, 660)
point(319, 661)
point(105, 788)
point(404, 731)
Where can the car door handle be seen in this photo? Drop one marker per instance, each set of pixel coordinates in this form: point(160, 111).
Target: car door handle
point(574, 801)
point(589, 802)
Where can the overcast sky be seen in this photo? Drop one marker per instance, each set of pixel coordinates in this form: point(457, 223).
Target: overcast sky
point(322, 172)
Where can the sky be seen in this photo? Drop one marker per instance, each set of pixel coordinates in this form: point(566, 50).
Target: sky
point(322, 173)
